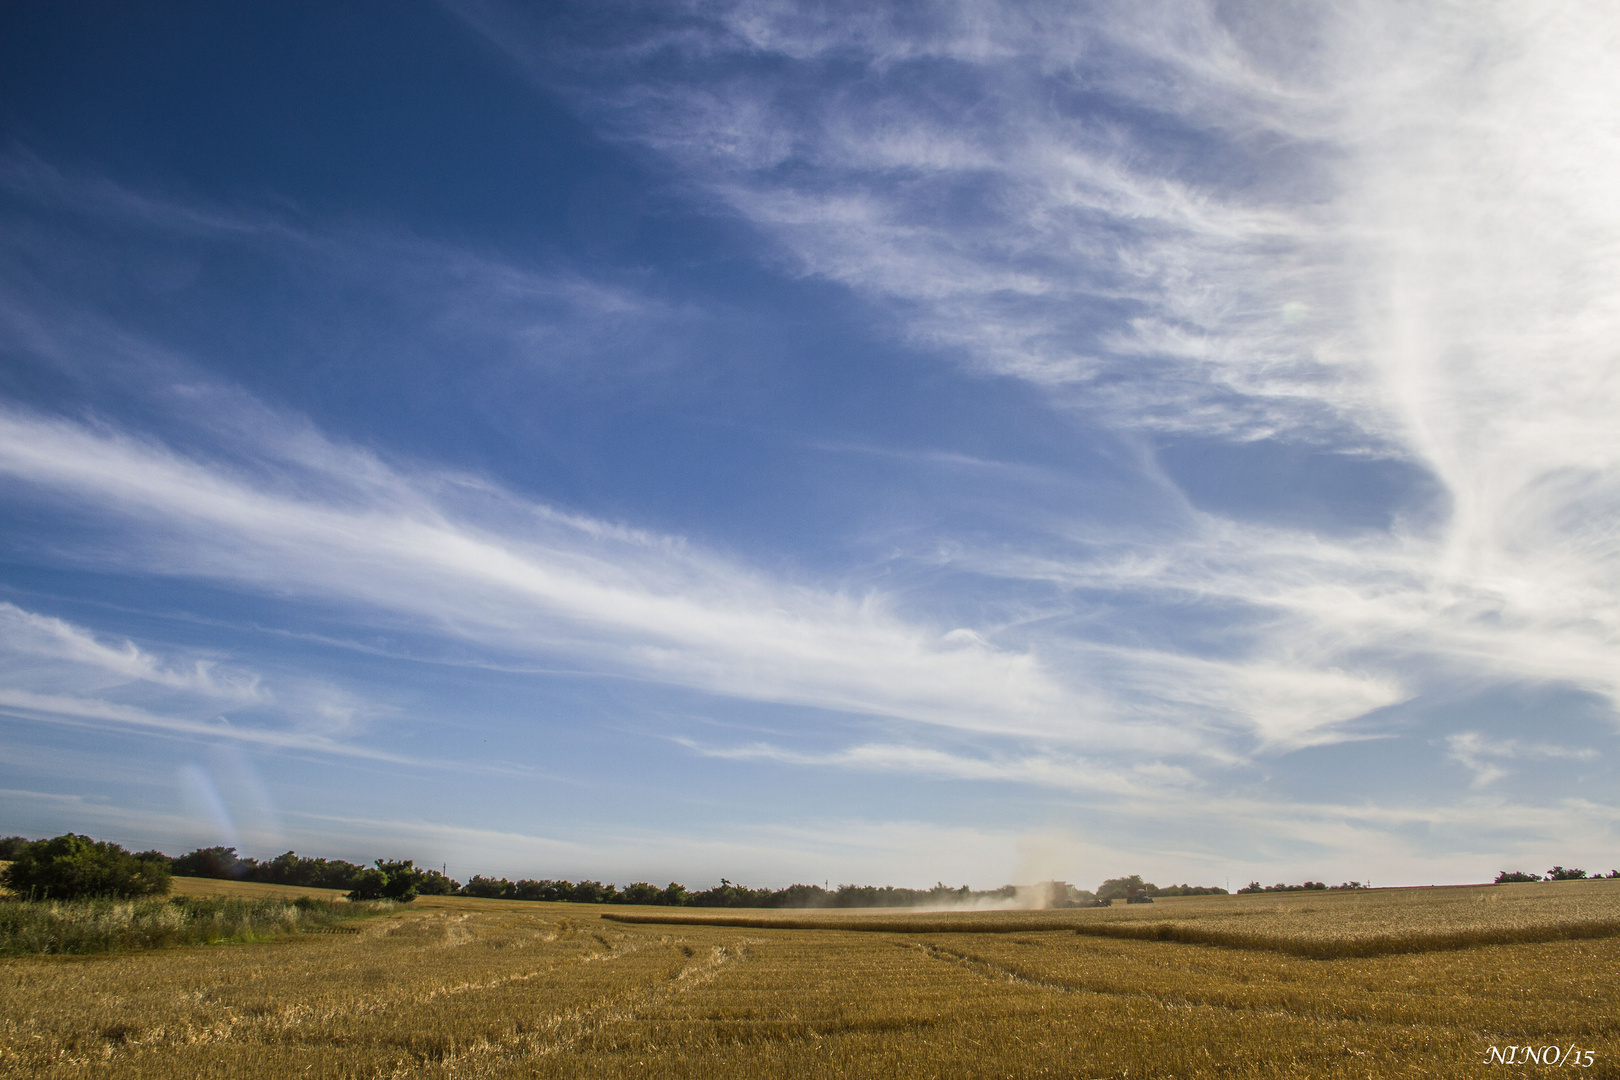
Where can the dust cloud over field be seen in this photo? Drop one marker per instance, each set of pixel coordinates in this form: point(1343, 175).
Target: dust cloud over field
point(459, 987)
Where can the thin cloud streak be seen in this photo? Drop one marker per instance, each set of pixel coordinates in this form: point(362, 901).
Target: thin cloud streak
point(58, 708)
point(545, 582)
point(1048, 768)
point(37, 637)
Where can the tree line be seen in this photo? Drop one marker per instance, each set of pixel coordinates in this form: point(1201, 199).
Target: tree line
point(1134, 890)
point(1309, 886)
point(1557, 873)
point(730, 894)
point(71, 866)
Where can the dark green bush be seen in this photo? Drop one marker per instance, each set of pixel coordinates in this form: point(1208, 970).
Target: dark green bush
point(396, 880)
point(494, 889)
point(73, 867)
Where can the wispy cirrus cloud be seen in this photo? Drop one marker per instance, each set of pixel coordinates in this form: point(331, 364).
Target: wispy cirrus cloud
point(1378, 230)
point(1044, 766)
point(30, 637)
point(57, 672)
point(1490, 759)
point(461, 558)
point(96, 712)
point(516, 576)
point(261, 498)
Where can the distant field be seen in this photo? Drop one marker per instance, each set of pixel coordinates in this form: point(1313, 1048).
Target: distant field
point(455, 987)
point(249, 890)
point(1325, 925)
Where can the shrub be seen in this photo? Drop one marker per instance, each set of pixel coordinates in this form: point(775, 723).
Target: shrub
point(641, 892)
point(1309, 886)
point(368, 885)
point(289, 868)
point(489, 888)
point(92, 926)
point(212, 862)
point(403, 877)
point(434, 883)
point(71, 867)
point(1507, 876)
point(1190, 890)
point(545, 889)
point(1558, 873)
point(593, 892)
point(1122, 888)
point(394, 879)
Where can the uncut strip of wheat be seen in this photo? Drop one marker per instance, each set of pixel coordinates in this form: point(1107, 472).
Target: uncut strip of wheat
point(1320, 924)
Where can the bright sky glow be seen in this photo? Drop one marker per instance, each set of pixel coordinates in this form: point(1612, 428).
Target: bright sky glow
point(961, 441)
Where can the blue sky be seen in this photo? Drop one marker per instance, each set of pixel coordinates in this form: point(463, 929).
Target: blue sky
point(803, 442)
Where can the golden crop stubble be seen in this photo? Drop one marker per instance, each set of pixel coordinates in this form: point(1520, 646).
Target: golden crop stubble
point(469, 988)
point(839, 1004)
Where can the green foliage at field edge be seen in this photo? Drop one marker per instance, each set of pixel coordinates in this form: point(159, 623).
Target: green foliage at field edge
point(73, 867)
point(78, 927)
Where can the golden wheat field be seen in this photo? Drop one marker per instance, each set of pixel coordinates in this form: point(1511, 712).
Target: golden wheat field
point(459, 987)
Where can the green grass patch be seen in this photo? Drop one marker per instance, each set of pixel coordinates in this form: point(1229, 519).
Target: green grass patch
point(77, 927)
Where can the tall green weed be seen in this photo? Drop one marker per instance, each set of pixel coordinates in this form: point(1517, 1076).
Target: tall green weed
point(70, 927)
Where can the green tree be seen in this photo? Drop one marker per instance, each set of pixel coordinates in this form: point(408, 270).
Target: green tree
point(489, 888)
point(71, 867)
point(593, 892)
point(368, 884)
point(1121, 888)
point(213, 862)
point(404, 879)
point(641, 892)
point(392, 879)
point(434, 883)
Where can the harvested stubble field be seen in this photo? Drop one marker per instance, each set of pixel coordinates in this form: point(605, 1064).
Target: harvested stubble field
point(457, 987)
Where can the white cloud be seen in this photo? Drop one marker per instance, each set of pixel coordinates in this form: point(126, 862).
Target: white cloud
point(65, 709)
point(1489, 759)
point(1046, 767)
point(35, 637)
point(1377, 228)
point(55, 671)
point(1395, 240)
point(482, 565)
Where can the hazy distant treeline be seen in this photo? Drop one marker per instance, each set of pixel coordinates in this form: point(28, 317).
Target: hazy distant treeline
point(293, 869)
point(403, 880)
point(728, 894)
